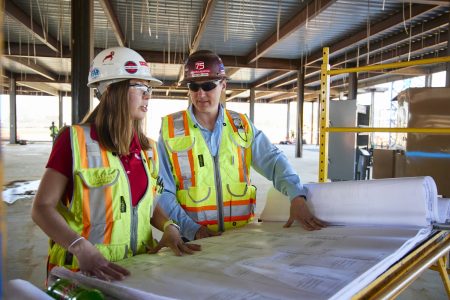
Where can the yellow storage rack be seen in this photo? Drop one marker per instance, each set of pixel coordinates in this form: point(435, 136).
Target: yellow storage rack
point(436, 248)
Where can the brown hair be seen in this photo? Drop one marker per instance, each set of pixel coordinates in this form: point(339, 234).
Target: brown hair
point(113, 122)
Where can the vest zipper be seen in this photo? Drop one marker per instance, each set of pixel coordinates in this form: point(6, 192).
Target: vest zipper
point(134, 222)
point(133, 215)
point(218, 182)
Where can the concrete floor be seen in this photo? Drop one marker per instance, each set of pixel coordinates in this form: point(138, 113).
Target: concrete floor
point(27, 244)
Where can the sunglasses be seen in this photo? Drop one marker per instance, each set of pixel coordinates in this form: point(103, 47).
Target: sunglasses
point(146, 90)
point(205, 86)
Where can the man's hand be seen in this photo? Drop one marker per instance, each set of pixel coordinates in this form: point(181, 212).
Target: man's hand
point(299, 211)
point(204, 232)
point(172, 239)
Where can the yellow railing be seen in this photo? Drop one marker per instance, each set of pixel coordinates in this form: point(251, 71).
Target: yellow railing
point(324, 129)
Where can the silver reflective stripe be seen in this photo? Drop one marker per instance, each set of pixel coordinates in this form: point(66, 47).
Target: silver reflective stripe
point(178, 124)
point(201, 216)
point(240, 210)
point(185, 169)
point(96, 195)
point(183, 160)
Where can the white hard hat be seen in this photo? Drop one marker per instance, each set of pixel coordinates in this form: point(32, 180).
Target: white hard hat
point(117, 64)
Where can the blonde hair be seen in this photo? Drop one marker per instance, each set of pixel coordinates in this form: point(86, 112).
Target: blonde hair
point(113, 123)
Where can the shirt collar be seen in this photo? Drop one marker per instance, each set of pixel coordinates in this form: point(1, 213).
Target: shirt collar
point(218, 121)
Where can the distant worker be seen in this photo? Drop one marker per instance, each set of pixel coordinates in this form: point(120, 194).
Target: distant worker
point(53, 131)
point(206, 152)
point(97, 195)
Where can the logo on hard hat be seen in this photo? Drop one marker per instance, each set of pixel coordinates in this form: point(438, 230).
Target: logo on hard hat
point(131, 67)
point(95, 73)
point(109, 57)
point(199, 65)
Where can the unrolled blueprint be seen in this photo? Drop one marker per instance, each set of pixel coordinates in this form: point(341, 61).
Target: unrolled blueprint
point(266, 261)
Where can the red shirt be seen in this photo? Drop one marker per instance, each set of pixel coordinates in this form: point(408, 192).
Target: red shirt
point(61, 160)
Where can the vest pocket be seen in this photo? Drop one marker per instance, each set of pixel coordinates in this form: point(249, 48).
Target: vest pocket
point(98, 177)
point(240, 200)
point(101, 193)
point(180, 143)
point(199, 203)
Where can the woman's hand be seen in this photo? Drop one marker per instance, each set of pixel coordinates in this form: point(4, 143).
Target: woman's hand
point(172, 239)
point(92, 262)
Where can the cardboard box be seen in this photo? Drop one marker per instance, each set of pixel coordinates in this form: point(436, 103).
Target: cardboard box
point(383, 163)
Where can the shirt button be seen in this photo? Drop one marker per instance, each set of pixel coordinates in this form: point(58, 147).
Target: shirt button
point(128, 172)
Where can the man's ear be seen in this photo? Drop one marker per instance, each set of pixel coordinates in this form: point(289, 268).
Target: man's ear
point(224, 84)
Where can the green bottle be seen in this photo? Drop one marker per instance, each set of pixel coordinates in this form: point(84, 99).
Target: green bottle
point(64, 289)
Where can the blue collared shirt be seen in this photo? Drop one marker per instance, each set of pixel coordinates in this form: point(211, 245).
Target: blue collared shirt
point(267, 160)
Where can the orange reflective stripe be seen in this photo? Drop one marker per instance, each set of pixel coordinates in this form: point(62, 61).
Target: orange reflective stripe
point(207, 222)
point(191, 164)
point(231, 121)
point(244, 121)
point(241, 166)
point(239, 202)
point(238, 218)
point(108, 204)
point(190, 154)
point(197, 209)
point(171, 129)
point(175, 155)
point(178, 170)
point(84, 164)
point(185, 123)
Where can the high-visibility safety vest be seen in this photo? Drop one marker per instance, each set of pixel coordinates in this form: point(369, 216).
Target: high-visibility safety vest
point(101, 209)
point(214, 191)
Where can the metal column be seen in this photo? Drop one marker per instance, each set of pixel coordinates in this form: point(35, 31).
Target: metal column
point(12, 111)
point(60, 110)
point(352, 84)
point(252, 105)
point(82, 54)
point(288, 119)
point(300, 100)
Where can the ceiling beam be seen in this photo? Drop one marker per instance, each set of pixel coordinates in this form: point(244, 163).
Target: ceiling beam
point(30, 64)
point(39, 50)
point(208, 10)
point(236, 94)
point(112, 19)
point(308, 12)
point(230, 71)
point(38, 78)
point(392, 21)
point(40, 87)
point(32, 27)
point(430, 2)
point(160, 57)
point(263, 95)
point(267, 79)
point(419, 31)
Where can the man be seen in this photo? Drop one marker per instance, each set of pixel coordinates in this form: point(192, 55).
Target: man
point(206, 153)
point(53, 131)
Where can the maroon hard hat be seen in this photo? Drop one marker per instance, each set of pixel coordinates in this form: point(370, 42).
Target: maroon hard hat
point(203, 65)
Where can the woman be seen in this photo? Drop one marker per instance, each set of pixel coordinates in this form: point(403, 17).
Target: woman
point(97, 193)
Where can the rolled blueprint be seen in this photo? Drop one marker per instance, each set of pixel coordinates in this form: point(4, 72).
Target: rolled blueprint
point(408, 201)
